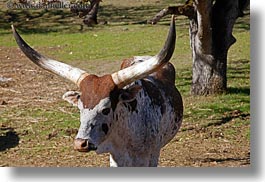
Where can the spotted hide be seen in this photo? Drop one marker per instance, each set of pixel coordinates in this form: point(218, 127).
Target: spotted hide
point(145, 124)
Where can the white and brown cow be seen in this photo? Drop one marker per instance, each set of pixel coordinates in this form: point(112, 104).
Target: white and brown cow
point(131, 113)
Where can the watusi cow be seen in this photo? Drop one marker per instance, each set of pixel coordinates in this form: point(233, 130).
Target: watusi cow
point(131, 113)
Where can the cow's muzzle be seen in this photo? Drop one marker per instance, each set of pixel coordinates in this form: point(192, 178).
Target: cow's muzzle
point(83, 145)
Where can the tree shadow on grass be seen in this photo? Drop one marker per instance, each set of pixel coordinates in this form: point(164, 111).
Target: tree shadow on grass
point(229, 116)
point(226, 118)
point(63, 20)
point(233, 90)
point(39, 21)
point(239, 69)
point(8, 138)
point(128, 14)
point(45, 21)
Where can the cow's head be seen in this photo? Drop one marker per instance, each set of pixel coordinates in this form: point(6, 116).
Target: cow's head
point(99, 96)
point(97, 102)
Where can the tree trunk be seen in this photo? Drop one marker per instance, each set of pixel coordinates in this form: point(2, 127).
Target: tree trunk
point(211, 26)
point(89, 14)
point(91, 18)
point(211, 37)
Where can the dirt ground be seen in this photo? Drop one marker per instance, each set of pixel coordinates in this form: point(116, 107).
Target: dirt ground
point(31, 88)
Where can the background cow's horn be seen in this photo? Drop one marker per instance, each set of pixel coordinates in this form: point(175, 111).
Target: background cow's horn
point(143, 69)
point(76, 75)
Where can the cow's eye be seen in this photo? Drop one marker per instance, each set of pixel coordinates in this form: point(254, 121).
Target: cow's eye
point(105, 128)
point(106, 111)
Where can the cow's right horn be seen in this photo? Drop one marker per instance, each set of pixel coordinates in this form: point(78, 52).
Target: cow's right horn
point(76, 75)
point(130, 74)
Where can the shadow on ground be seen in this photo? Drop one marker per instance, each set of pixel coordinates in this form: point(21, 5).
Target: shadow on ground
point(8, 138)
point(63, 20)
point(242, 160)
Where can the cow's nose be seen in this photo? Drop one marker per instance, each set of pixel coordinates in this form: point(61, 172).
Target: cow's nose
point(81, 145)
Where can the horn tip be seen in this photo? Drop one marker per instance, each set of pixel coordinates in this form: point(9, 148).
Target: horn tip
point(13, 27)
point(14, 30)
point(173, 19)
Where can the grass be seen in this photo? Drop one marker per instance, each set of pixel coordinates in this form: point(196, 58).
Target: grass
point(111, 43)
point(47, 130)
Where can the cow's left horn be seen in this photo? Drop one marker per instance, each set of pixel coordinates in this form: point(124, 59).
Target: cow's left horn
point(76, 75)
point(143, 69)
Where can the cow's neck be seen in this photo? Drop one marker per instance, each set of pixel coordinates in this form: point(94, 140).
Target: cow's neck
point(122, 155)
point(128, 147)
point(124, 152)
point(130, 142)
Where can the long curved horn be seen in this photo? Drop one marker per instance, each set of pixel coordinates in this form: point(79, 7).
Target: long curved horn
point(76, 75)
point(128, 75)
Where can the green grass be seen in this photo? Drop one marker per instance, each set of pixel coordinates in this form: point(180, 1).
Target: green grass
point(109, 43)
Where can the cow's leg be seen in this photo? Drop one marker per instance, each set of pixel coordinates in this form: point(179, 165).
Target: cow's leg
point(135, 160)
point(154, 158)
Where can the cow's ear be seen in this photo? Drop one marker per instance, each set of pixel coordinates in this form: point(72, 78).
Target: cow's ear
point(72, 97)
point(129, 94)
